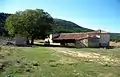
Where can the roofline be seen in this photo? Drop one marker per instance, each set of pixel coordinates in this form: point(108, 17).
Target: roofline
point(92, 32)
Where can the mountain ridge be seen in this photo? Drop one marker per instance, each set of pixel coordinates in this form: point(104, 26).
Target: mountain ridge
point(65, 26)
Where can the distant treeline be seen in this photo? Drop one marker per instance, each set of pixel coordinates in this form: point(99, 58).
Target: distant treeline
point(115, 37)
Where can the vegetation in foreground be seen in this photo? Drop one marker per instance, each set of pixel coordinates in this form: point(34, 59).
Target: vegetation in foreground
point(48, 62)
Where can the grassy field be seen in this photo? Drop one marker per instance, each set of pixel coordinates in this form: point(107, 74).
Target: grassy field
point(59, 62)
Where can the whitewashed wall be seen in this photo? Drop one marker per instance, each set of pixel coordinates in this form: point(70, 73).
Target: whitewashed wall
point(105, 39)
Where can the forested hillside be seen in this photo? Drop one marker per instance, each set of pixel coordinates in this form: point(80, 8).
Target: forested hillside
point(115, 37)
point(63, 26)
point(3, 17)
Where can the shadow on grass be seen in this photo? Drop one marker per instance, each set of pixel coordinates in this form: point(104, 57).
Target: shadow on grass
point(109, 47)
point(53, 46)
point(42, 45)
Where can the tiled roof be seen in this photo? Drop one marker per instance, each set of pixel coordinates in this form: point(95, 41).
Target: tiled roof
point(73, 36)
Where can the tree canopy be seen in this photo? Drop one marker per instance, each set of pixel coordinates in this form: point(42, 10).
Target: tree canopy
point(30, 24)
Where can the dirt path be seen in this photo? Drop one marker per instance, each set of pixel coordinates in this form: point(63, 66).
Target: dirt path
point(91, 56)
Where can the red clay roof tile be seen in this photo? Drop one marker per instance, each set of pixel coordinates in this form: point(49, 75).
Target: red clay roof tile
point(74, 36)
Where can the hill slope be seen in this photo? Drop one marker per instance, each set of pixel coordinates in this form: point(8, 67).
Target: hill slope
point(3, 17)
point(63, 26)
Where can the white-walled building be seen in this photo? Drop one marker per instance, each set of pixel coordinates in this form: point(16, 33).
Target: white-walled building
point(97, 38)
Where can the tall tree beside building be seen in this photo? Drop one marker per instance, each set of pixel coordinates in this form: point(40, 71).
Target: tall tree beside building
point(30, 24)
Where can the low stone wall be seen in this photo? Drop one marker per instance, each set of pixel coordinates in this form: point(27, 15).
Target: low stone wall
point(5, 40)
point(115, 44)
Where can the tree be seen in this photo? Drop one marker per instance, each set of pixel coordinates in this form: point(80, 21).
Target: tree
point(30, 24)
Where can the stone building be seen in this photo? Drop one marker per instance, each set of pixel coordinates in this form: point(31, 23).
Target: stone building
point(20, 41)
point(97, 38)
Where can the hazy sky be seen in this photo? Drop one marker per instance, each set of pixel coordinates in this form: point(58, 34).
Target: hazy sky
point(93, 14)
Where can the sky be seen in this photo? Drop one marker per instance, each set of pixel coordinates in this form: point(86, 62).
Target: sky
point(93, 14)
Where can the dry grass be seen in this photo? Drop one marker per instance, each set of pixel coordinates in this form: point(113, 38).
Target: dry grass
point(57, 62)
point(115, 44)
point(91, 56)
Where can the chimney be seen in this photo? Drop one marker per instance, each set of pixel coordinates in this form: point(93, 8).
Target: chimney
point(100, 30)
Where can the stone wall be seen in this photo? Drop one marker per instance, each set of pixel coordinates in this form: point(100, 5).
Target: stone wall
point(81, 43)
point(93, 42)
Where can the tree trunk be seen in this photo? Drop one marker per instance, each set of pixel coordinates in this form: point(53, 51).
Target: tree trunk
point(32, 40)
point(62, 44)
